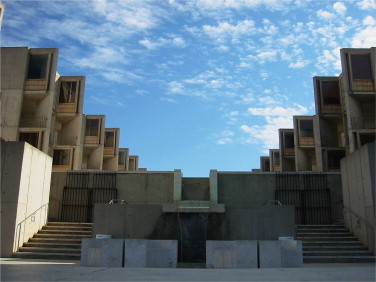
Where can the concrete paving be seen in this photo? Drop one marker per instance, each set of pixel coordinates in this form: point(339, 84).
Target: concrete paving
point(41, 270)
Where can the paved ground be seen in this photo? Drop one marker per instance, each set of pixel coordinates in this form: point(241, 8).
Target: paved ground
point(42, 270)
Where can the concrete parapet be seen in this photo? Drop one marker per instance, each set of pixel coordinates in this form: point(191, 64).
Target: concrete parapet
point(231, 254)
point(291, 253)
point(150, 253)
point(102, 252)
point(270, 254)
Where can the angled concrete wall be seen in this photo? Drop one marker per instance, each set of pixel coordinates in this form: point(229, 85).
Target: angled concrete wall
point(25, 187)
point(358, 185)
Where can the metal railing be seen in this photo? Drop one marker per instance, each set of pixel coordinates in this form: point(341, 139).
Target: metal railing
point(19, 225)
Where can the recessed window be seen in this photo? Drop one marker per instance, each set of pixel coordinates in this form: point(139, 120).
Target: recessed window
point(334, 158)
point(367, 138)
point(109, 140)
point(121, 160)
point(30, 137)
point(330, 92)
point(276, 158)
point(62, 157)
point(68, 92)
point(289, 140)
point(37, 66)
point(92, 127)
point(361, 66)
point(306, 128)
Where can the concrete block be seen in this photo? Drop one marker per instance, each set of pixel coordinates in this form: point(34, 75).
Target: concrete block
point(150, 253)
point(102, 252)
point(231, 254)
point(269, 254)
point(291, 253)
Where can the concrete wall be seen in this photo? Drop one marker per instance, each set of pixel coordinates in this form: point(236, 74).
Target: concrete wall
point(358, 178)
point(25, 187)
point(237, 223)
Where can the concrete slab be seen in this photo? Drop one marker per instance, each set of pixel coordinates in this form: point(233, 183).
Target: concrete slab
point(269, 254)
point(231, 254)
point(14, 269)
point(291, 253)
point(150, 253)
point(102, 252)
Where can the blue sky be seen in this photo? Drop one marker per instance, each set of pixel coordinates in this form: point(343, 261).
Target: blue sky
point(195, 84)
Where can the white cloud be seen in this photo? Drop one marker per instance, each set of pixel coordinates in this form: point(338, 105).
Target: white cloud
point(325, 15)
point(299, 64)
point(364, 38)
point(367, 4)
point(369, 20)
point(227, 30)
point(175, 41)
point(339, 7)
point(278, 111)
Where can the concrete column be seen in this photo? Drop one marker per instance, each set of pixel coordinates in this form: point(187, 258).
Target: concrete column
point(213, 185)
point(178, 181)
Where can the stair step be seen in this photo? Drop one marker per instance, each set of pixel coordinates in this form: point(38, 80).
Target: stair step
point(337, 253)
point(35, 255)
point(333, 234)
point(61, 236)
point(334, 248)
point(326, 230)
point(326, 238)
point(67, 227)
point(69, 224)
point(57, 240)
point(339, 259)
point(320, 226)
point(52, 245)
point(65, 231)
point(331, 243)
point(49, 250)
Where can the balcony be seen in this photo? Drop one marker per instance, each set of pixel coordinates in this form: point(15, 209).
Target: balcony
point(363, 85)
point(91, 140)
point(306, 141)
point(35, 84)
point(33, 121)
point(67, 108)
point(287, 152)
point(66, 140)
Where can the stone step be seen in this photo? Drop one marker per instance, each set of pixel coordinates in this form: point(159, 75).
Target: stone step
point(327, 238)
point(64, 231)
point(336, 253)
point(52, 245)
point(327, 230)
point(331, 248)
point(339, 259)
point(61, 236)
point(56, 240)
point(35, 255)
point(50, 250)
point(330, 234)
point(67, 227)
point(82, 224)
point(320, 226)
point(331, 243)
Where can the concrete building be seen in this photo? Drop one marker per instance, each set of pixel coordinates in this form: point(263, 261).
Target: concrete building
point(2, 9)
point(344, 121)
point(275, 160)
point(286, 149)
point(45, 109)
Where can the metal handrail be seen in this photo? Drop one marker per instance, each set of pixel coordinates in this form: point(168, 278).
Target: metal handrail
point(272, 201)
point(348, 209)
point(18, 228)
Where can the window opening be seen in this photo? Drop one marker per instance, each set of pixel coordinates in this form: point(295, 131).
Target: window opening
point(61, 157)
point(37, 66)
point(361, 66)
point(289, 139)
point(121, 160)
point(68, 92)
point(109, 140)
point(334, 158)
point(276, 158)
point(306, 128)
point(30, 137)
point(330, 92)
point(92, 127)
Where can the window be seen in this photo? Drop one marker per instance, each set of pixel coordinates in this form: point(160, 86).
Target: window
point(361, 66)
point(289, 139)
point(367, 138)
point(330, 92)
point(37, 66)
point(334, 158)
point(30, 137)
point(121, 160)
point(109, 140)
point(92, 127)
point(306, 128)
point(68, 92)
point(276, 158)
point(62, 157)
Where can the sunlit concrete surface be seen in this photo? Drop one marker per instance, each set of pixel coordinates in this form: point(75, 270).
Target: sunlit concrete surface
point(40, 270)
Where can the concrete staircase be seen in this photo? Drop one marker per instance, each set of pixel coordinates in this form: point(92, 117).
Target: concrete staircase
point(56, 240)
point(332, 244)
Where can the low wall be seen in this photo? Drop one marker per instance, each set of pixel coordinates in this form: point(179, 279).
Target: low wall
point(25, 187)
point(358, 185)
